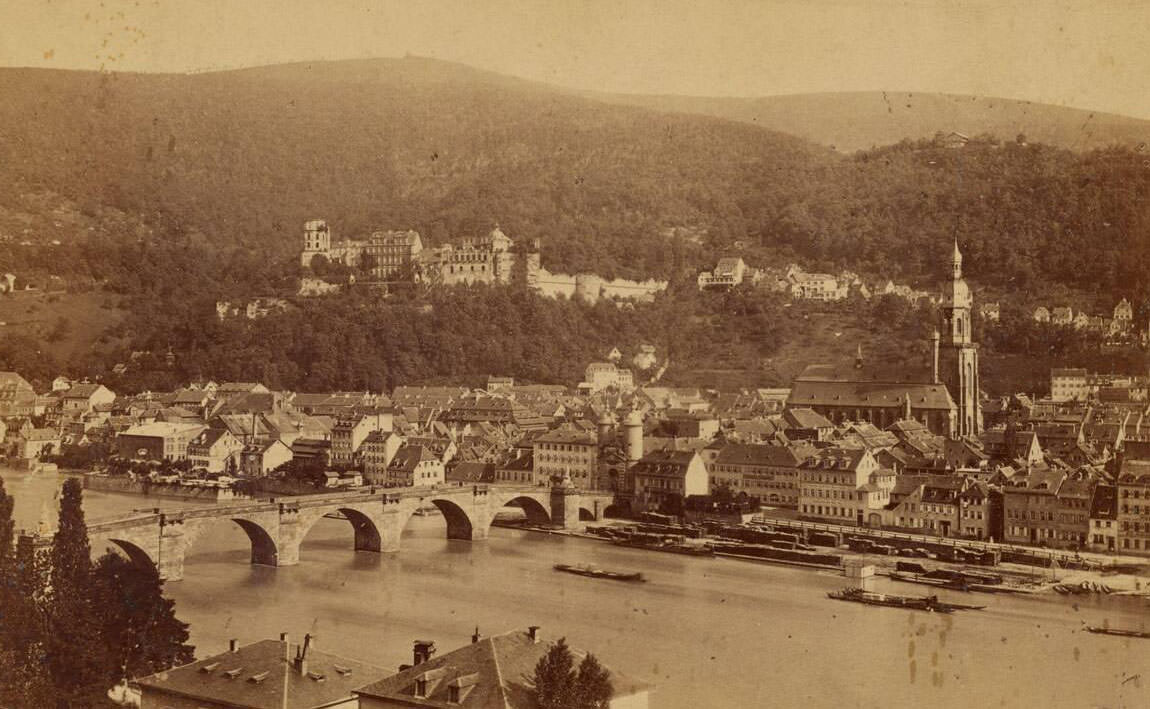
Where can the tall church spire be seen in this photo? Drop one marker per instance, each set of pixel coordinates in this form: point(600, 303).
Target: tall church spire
point(958, 355)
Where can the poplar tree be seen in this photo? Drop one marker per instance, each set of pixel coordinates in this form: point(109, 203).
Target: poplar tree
point(76, 656)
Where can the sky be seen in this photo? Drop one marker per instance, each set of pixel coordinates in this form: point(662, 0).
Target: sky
point(1092, 54)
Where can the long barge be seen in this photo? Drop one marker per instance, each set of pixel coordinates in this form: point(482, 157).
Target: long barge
point(915, 603)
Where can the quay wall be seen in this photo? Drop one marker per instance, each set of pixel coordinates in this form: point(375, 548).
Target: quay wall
point(147, 488)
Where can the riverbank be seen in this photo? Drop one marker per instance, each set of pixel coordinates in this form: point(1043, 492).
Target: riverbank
point(1019, 579)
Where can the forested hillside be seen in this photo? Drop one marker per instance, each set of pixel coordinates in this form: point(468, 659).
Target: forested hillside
point(172, 191)
point(861, 120)
point(243, 158)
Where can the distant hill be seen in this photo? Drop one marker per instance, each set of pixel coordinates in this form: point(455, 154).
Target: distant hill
point(232, 163)
point(853, 121)
point(245, 157)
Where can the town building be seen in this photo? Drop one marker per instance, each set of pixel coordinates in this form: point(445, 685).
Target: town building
point(816, 286)
point(844, 486)
point(215, 450)
point(600, 376)
point(497, 409)
point(157, 441)
point(84, 397)
point(767, 474)
point(263, 675)
point(1049, 508)
point(17, 397)
point(349, 433)
point(570, 453)
point(259, 459)
point(1133, 506)
point(377, 452)
point(665, 478)
point(415, 466)
point(728, 273)
point(1069, 384)
point(491, 673)
point(1104, 519)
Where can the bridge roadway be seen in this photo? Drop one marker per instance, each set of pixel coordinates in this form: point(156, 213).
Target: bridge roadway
point(276, 527)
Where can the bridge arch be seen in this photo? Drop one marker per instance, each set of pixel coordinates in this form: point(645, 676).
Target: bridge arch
point(459, 524)
point(586, 514)
point(134, 552)
point(264, 550)
point(536, 511)
point(367, 532)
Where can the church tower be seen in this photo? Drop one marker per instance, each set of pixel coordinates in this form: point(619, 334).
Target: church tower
point(958, 355)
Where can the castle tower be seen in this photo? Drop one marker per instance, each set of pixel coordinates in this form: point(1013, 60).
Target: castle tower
point(957, 353)
point(316, 240)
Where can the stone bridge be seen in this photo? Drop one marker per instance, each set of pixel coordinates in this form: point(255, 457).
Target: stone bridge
point(276, 527)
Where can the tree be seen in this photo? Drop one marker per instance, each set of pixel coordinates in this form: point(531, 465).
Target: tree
point(76, 655)
point(593, 688)
point(555, 678)
point(559, 686)
point(24, 681)
point(139, 626)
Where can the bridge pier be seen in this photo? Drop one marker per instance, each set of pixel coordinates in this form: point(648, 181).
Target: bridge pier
point(565, 507)
point(173, 547)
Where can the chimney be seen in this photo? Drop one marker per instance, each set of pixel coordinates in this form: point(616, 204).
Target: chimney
point(233, 645)
point(533, 633)
point(422, 651)
point(475, 636)
point(286, 640)
point(301, 656)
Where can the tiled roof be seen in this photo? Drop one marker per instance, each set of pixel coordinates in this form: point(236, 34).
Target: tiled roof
point(805, 418)
point(253, 677)
point(493, 672)
point(869, 394)
point(746, 454)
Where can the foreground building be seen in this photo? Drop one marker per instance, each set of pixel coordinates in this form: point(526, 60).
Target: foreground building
point(269, 674)
point(490, 673)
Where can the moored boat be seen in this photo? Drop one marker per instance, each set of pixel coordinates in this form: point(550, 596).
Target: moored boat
point(671, 547)
point(599, 573)
point(917, 603)
point(1119, 632)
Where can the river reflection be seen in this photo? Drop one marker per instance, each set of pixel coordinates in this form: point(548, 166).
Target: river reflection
point(706, 632)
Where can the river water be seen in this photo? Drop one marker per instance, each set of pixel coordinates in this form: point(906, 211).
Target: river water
point(705, 632)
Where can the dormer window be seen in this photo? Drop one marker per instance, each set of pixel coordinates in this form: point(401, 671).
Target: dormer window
point(421, 688)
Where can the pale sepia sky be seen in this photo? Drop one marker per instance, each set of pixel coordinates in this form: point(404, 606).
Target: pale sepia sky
point(1093, 55)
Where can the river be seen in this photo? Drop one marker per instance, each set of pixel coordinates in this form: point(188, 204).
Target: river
point(705, 632)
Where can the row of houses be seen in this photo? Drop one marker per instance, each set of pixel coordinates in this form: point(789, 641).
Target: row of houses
point(490, 672)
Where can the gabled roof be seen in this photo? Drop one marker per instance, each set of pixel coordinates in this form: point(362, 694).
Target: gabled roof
point(260, 681)
point(747, 454)
point(493, 672)
point(409, 456)
point(805, 418)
